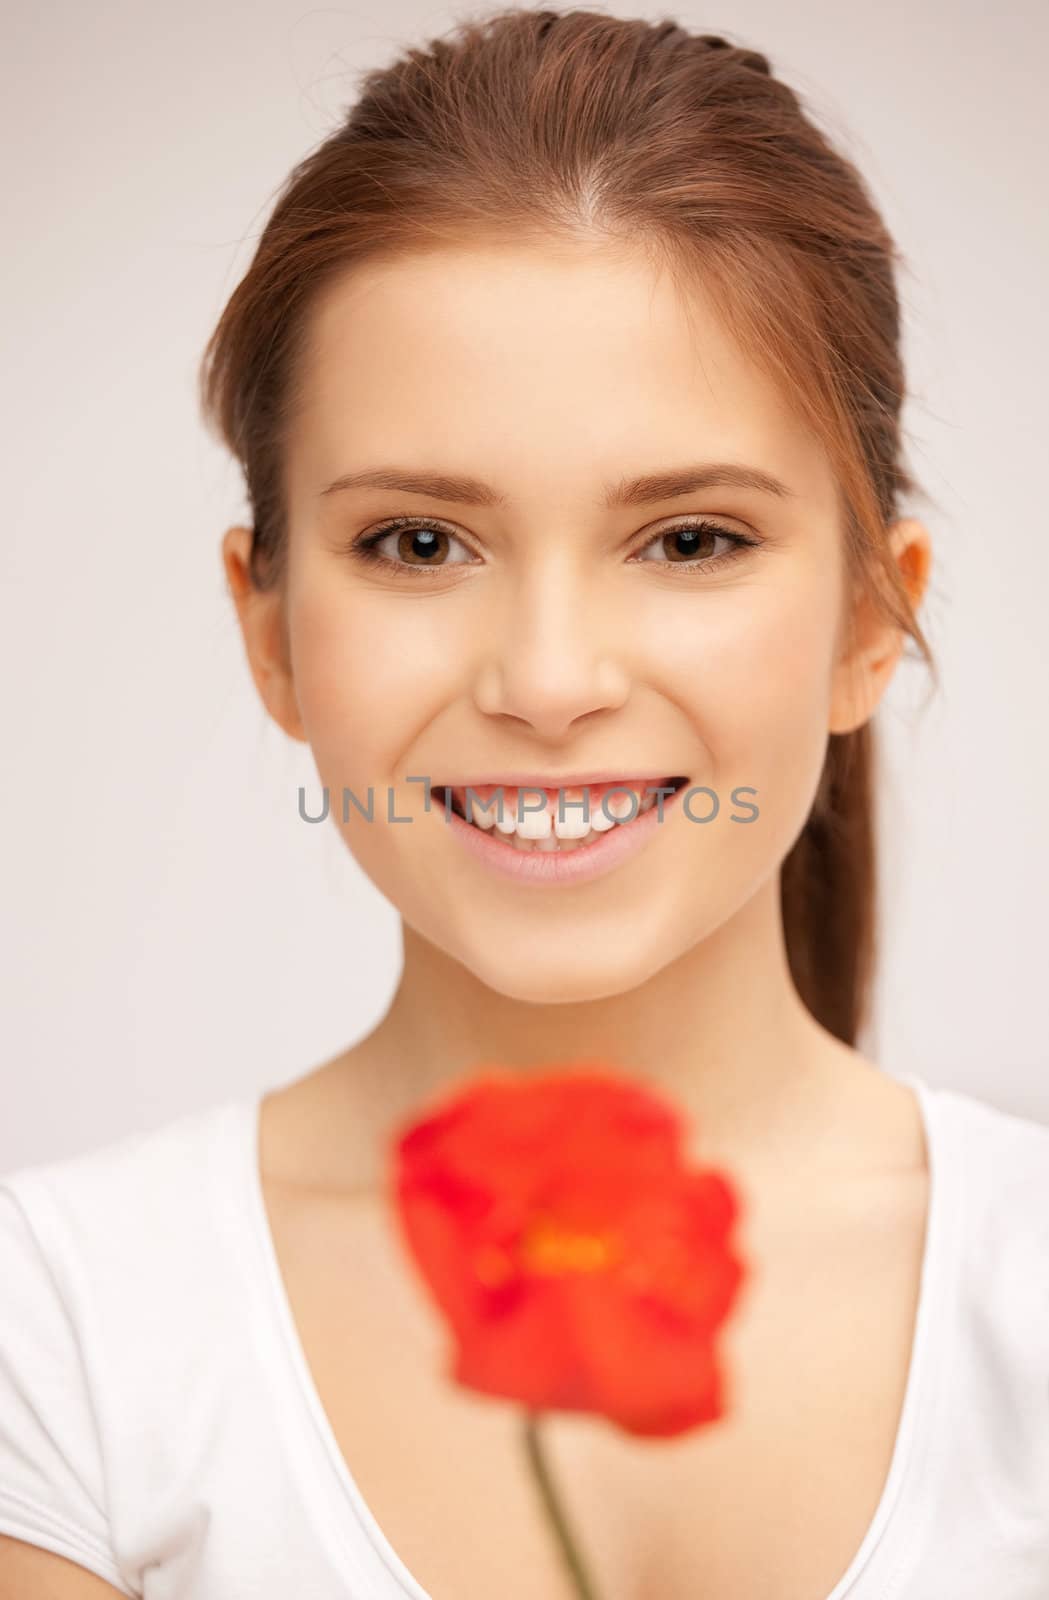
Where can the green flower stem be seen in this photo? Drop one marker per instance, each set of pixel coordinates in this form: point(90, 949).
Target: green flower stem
point(541, 1472)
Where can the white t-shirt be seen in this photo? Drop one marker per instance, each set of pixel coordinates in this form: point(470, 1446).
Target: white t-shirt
point(159, 1425)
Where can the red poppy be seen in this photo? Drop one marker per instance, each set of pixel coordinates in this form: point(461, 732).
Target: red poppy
point(581, 1264)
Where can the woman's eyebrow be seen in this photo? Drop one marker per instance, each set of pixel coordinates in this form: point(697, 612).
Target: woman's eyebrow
point(627, 492)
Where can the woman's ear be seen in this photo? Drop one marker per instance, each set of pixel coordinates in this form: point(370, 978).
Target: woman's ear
point(863, 674)
point(262, 625)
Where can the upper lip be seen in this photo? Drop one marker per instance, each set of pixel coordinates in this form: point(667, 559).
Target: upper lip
point(554, 780)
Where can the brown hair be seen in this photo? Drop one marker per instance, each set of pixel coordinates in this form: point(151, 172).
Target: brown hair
point(581, 125)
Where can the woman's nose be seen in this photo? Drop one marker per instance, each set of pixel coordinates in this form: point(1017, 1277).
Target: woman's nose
point(557, 656)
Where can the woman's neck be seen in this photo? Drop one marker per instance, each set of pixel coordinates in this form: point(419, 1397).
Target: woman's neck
point(721, 1032)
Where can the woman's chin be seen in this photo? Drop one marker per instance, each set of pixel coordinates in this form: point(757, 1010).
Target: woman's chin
point(557, 977)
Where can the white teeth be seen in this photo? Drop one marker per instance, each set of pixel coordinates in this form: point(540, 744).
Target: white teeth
point(620, 805)
point(550, 845)
point(535, 825)
point(477, 814)
point(578, 819)
point(543, 830)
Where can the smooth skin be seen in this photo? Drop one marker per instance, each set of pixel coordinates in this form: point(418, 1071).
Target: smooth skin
point(558, 636)
point(27, 1570)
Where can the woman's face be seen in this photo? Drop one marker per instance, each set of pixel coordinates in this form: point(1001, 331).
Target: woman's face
point(559, 628)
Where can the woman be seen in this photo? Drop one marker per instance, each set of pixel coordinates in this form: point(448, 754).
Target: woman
point(566, 382)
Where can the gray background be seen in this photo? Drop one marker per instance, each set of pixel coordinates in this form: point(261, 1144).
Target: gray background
point(172, 933)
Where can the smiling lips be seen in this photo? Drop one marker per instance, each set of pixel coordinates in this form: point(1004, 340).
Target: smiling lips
point(575, 814)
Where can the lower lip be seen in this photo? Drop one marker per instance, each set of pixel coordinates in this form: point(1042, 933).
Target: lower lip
point(603, 854)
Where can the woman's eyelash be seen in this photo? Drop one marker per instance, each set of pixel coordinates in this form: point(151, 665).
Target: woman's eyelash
point(701, 526)
point(364, 547)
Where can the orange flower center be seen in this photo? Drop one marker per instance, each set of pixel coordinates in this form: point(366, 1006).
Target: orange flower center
point(547, 1246)
point(550, 1247)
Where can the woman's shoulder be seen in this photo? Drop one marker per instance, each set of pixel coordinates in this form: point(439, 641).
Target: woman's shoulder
point(145, 1220)
point(994, 1284)
point(1010, 1146)
point(119, 1272)
point(1000, 1163)
point(129, 1184)
point(995, 1181)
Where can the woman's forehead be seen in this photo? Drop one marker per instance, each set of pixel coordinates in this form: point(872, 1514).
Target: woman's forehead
point(593, 352)
point(478, 307)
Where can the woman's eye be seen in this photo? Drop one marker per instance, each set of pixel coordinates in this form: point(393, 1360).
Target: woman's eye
point(694, 544)
point(411, 545)
point(406, 544)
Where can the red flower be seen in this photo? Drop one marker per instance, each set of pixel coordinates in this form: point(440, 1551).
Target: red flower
point(581, 1265)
